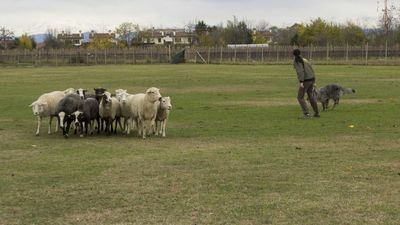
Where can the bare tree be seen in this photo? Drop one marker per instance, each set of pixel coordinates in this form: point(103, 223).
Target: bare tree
point(5, 35)
point(126, 31)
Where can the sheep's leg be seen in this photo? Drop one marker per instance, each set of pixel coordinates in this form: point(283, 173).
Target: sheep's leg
point(157, 128)
point(49, 129)
point(38, 126)
point(81, 126)
point(164, 124)
point(57, 125)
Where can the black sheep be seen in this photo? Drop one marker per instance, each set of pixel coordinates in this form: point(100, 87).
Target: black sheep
point(89, 113)
point(65, 108)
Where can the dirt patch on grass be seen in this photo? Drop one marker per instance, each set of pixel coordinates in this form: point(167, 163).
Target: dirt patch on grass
point(292, 101)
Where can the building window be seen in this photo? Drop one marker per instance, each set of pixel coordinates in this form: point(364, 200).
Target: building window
point(178, 40)
point(159, 40)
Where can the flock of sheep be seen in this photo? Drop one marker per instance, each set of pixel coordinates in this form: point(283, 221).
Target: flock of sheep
point(147, 112)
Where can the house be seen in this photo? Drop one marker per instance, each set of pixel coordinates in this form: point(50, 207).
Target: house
point(79, 39)
point(74, 39)
point(167, 37)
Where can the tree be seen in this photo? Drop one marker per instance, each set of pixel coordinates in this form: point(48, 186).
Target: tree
point(5, 35)
point(25, 42)
point(353, 34)
point(51, 39)
point(127, 31)
point(101, 43)
point(237, 32)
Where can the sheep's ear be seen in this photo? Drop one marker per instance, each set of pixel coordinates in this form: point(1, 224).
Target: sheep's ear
point(32, 104)
point(160, 98)
point(84, 90)
point(43, 103)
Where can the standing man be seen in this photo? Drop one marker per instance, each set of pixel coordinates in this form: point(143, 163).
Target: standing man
point(306, 77)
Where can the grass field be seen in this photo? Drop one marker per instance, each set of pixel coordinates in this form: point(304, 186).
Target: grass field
point(235, 152)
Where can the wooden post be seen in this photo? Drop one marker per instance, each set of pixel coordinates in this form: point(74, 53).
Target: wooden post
point(220, 56)
point(277, 53)
point(262, 54)
point(208, 55)
point(133, 55)
point(366, 54)
point(105, 56)
point(115, 55)
point(386, 51)
point(56, 54)
point(247, 54)
point(327, 51)
point(234, 58)
point(169, 54)
point(347, 52)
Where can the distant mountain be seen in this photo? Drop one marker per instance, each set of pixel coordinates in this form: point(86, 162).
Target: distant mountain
point(39, 38)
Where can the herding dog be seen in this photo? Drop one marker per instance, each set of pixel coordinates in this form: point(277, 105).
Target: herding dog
point(330, 91)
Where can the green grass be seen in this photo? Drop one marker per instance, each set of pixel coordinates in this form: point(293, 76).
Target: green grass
point(235, 152)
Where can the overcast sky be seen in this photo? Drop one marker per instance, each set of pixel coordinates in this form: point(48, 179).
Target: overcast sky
point(36, 16)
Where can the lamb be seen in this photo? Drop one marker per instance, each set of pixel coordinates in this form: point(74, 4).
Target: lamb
point(46, 106)
point(109, 109)
point(66, 107)
point(85, 117)
point(164, 107)
point(331, 91)
point(144, 110)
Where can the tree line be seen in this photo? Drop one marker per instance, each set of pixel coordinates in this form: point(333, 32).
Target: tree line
point(317, 32)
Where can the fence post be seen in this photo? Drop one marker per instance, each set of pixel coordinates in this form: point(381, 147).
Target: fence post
point(133, 56)
point(169, 53)
point(220, 56)
point(208, 55)
point(105, 56)
point(234, 56)
point(386, 51)
point(347, 52)
point(277, 53)
point(262, 54)
point(366, 54)
point(327, 51)
point(247, 54)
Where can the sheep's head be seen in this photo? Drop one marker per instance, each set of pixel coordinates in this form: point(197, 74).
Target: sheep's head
point(165, 103)
point(37, 107)
point(122, 95)
point(107, 97)
point(81, 92)
point(99, 90)
point(153, 94)
point(77, 116)
point(69, 91)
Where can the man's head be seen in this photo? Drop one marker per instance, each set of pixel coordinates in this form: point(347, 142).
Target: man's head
point(296, 52)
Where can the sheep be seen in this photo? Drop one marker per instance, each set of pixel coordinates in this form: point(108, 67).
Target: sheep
point(99, 91)
point(82, 93)
point(66, 107)
point(126, 113)
point(144, 110)
point(109, 109)
point(164, 107)
point(46, 105)
point(85, 117)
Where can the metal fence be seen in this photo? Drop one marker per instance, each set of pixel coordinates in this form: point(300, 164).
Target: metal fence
point(358, 55)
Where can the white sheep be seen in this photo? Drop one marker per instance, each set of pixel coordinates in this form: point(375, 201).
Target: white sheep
point(144, 110)
point(125, 101)
point(46, 106)
point(164, 107)
point(109, 110)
